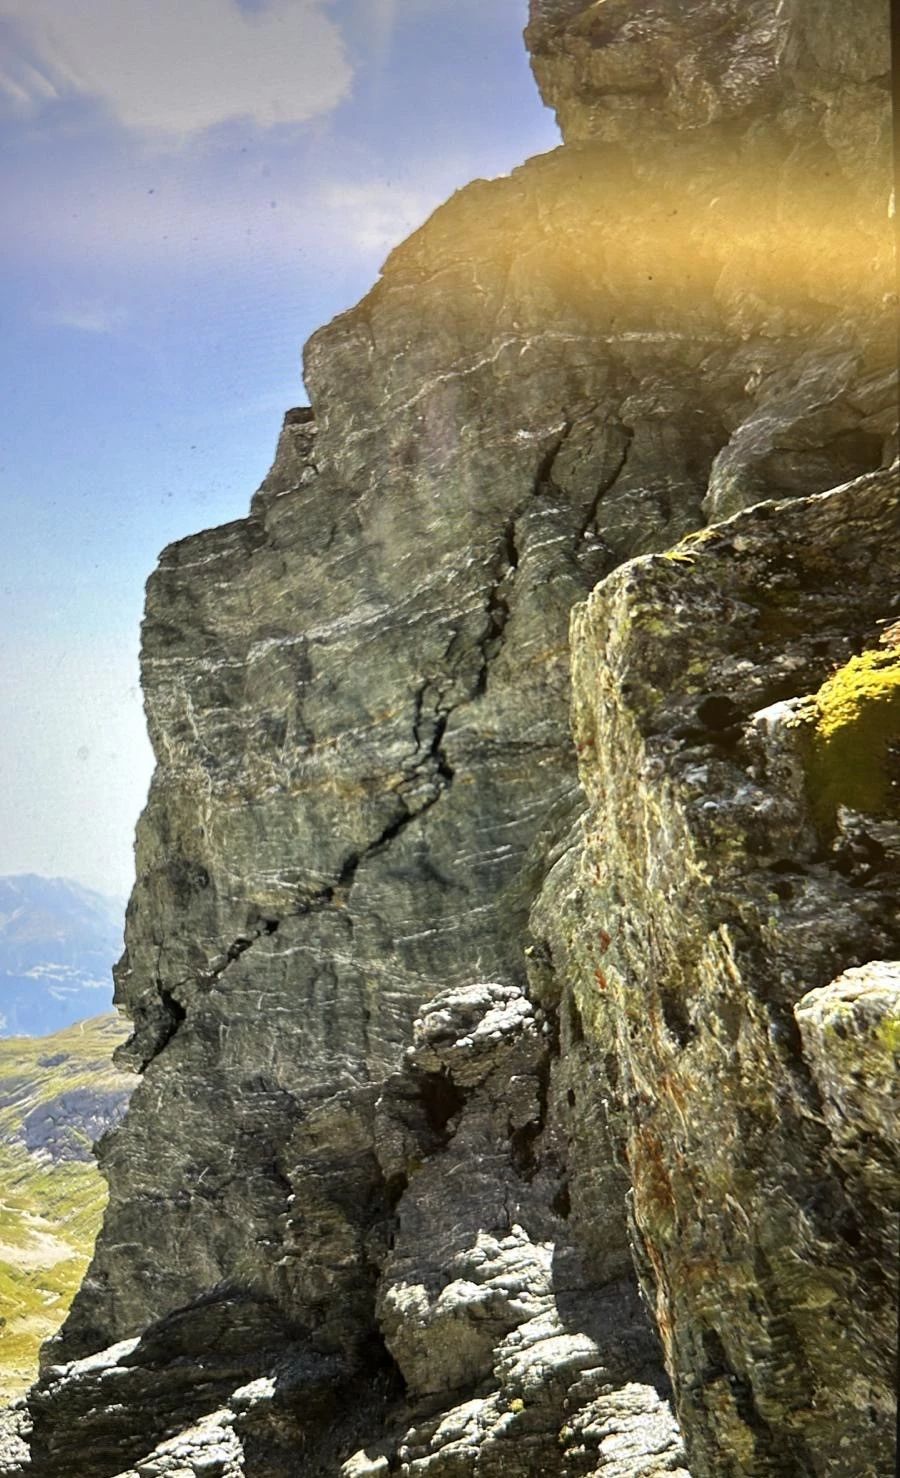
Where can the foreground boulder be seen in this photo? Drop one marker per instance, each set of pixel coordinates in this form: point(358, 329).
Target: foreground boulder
point(729, 944)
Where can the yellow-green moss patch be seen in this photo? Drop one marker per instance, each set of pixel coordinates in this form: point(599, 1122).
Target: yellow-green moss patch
point(857, 721)
point(889, 1033)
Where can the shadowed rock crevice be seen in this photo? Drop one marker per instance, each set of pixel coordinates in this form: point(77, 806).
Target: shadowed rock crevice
point(590, 522)
point(174, 1015)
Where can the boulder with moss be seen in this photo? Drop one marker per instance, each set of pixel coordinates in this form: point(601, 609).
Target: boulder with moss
point(726, 952)
point(855, 760)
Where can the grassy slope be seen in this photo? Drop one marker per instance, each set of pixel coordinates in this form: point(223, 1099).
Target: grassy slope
point(49, 1213)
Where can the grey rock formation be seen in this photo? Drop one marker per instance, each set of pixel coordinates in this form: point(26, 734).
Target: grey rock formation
point(757, 136)
point(15, 1429)
point(66, 1127)
point(515, 1357)
point(369, 1210)
point(702, 928)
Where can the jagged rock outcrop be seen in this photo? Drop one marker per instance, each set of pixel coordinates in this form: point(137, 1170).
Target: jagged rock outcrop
point(727, 946)
point(759, 132)
point(369, 1210)
point(513, 1356)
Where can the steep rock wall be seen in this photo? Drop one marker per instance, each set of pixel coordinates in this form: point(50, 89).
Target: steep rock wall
point(367, 1211)
point(731, 949)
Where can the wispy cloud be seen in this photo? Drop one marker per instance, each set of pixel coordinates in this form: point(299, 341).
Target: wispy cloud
point(366, 218)
point(86, 318)
point(170, 70)
point(69, 696)
point(200, 222)
point(384, 24)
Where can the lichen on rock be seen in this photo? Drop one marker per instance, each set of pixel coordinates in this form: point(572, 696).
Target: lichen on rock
point(698, 924)
point(851, 1038)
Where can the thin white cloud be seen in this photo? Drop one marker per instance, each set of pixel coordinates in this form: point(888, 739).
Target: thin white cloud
point(170, 69)
point(85, 318)
point(367, 218)
point(191, 223)
point(61, 813)
point(16, 97)
point(384, 24)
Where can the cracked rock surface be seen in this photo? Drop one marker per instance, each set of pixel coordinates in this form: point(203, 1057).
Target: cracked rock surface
point(511, 1353)
point(731, 952)
point(369, 1209)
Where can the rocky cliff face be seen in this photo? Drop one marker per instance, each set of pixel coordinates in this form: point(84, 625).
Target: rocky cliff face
point(729, 943)
point(429, 1056)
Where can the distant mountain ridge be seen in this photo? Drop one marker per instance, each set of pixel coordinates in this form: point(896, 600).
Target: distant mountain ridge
point(58, 943)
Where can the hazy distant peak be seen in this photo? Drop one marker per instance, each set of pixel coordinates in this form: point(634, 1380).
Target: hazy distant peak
point(58, 942)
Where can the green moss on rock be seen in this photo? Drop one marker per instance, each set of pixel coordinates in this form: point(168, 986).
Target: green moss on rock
point(889, 1033)
point(857, 725)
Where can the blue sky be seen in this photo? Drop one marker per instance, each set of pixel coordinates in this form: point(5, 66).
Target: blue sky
point(190, 189)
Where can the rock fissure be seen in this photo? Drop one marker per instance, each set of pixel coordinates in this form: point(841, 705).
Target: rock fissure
point(607, 485)
point(543, 478)
point(498, 607)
